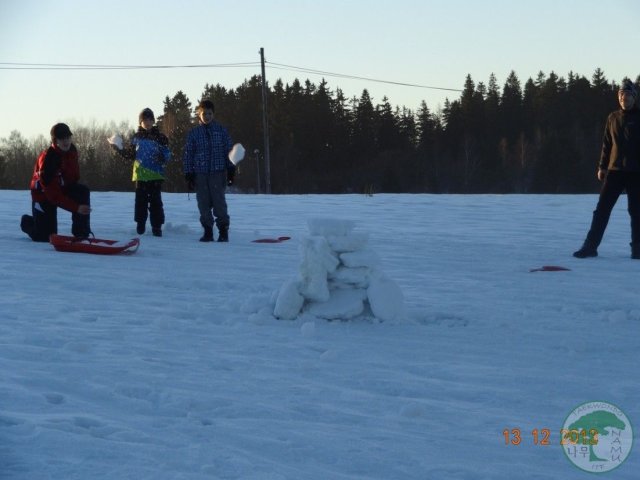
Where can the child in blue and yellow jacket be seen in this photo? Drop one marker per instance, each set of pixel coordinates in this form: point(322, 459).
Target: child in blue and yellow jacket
point(150, 152)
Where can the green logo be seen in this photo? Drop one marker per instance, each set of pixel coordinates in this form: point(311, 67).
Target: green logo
point(597, 437)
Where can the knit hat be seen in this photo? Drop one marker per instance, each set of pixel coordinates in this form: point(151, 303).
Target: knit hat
point(628, 86)
point(146, 113)
point(60, 131)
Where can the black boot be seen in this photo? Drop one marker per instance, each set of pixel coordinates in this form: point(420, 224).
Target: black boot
point(587, 250)
point(141, 227)
point(157, 232)
point(208, 234)
point(635, 251)
point(26, 224)
point(224, 234)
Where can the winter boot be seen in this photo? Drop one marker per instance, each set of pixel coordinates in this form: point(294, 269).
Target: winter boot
point(141, 227)
point(208, 234)
point(635, 251)
point(157, 232)
point(224, 234)
point(26, 224)
point(587, 250)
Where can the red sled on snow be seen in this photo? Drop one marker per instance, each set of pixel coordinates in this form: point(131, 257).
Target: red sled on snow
point(97, 246)
point(550, 268)
point(271, 240)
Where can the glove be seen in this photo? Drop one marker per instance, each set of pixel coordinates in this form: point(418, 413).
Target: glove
point(231, 175)
point(191, 181)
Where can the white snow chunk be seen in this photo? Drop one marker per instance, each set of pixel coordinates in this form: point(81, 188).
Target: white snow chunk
point(317, 261)
point(236, 155)
point(289, 301)
point(358, 276)
point(348, 243)
point(330, 226)
point(116, 140)
point(342, 305)
point(385, 298)
point(362, 258)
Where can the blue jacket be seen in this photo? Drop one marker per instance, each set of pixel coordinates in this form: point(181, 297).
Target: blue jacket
point(207, 149)
point(150, 152)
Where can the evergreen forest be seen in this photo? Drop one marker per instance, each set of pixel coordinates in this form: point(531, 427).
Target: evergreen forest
point(543, 136)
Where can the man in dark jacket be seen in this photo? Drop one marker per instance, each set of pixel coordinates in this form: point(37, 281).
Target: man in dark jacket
point(619, 169)
point(55, 184)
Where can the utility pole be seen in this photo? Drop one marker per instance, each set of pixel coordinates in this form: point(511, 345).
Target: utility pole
point(265, 127)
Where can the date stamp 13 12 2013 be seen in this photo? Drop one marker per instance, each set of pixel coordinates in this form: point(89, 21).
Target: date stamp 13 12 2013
point(596, 437)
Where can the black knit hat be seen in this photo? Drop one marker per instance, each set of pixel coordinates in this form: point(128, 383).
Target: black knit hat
point(628, 86)
point(146, 113)
point(60, 131)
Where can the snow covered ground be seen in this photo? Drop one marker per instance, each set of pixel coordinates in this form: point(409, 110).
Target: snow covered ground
point(168, 365)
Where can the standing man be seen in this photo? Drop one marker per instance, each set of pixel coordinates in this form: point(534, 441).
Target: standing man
point(208, 170)
point(619, 169)
point(55, 184)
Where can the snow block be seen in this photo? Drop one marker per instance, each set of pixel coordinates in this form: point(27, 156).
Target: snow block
point(348, 243)
point(358, 276)
point(362, 258)
point(289, 301)
point(326, 227)
point(385, 298)
point(342, 305)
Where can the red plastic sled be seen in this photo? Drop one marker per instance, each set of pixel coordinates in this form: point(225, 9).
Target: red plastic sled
point(550, 268)
point(271, 240)
point(96, 246)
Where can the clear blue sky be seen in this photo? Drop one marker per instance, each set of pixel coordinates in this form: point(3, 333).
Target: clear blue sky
point(426, 42)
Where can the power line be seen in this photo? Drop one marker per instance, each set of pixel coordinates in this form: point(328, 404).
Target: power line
point(274, 65)
point(59, 66)
point(281, 66)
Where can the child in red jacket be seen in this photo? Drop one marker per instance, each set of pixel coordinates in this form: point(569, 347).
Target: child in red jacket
point(55, 184)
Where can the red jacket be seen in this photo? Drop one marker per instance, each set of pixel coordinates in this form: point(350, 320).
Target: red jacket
point(53, 172)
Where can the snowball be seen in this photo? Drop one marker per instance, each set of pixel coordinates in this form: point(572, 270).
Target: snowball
point(348, 243)
point(342, 305)
point(289, 301)
point(236, 154)
point(116, 140)
point(363, 258)
point(330, 226)
point(385, 298)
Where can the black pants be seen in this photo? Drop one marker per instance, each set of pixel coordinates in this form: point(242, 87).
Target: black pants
point(45, 216)
point(615, 183)
point(149, 203)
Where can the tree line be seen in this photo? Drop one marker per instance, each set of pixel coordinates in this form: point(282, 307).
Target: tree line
point(540, 137)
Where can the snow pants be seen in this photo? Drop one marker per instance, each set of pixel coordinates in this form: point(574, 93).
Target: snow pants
point(149, 203)
point(613, 186)
point(210, 193)
point(45, 216)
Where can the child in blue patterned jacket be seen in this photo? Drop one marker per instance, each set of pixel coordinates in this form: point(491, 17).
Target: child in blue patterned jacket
point(150, 152)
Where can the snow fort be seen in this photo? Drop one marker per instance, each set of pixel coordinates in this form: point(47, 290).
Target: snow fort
point(339, 278)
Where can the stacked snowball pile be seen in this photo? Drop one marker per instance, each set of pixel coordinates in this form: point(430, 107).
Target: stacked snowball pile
point(339, 278)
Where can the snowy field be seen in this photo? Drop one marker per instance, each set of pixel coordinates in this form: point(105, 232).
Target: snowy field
point(167, 364)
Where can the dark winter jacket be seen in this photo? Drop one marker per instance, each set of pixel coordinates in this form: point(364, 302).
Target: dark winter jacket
point(621, 142)
point(53, 173)
point(207, 149)
point(150, 152)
